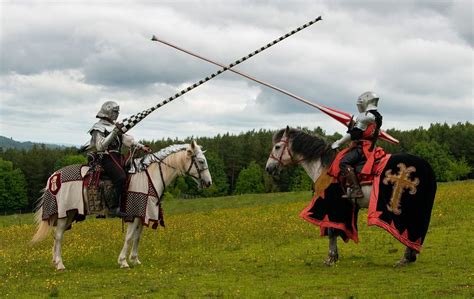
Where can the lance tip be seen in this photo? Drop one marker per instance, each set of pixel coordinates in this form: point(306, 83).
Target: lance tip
point(153, 38)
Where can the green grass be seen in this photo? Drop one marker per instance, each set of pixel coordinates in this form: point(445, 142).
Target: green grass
point(16, 219)
point(252, 246)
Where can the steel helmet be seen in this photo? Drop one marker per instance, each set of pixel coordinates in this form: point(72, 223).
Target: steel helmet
point(109, 110)
point(367, 101)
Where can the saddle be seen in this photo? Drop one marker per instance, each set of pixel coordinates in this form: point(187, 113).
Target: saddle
point(99, 186)
point(331, 174)
point(365, 169)
point(101, 193)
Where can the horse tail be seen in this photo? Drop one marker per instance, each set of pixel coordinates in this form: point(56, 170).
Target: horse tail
point(43, 225)
point(42, 232)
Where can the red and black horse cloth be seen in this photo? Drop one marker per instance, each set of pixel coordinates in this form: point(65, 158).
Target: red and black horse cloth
point(401, 201)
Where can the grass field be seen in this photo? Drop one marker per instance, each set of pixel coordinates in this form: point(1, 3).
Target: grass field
point(252, 246)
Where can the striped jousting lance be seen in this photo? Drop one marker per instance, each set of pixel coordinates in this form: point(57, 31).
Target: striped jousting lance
point(128, 123)
point(340, 116)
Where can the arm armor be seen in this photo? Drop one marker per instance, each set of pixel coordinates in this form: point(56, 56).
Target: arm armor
point(129, 141)
point(341, 141)
point(364, 120)
point(102, 143)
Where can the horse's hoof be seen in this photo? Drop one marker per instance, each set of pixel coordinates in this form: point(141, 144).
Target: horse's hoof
point(123, 263)
point(135, 261)
point(401, 263)
point(60, 267)
point(331, 261)
point(409, 258)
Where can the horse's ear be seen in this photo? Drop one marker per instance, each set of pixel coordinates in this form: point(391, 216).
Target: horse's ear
point(190, 151)
point(287, 131)
point(192, 148)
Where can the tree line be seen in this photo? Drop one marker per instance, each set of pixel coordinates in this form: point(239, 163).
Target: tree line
point(237, 163)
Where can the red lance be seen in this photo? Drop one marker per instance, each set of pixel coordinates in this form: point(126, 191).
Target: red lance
point(128, 123)
point(340, 116)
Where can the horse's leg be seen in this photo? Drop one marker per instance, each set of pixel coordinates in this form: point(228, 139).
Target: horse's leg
point(58, 238)
point(136, 239)
point(54, 241)
point(122, 259)
point(333, 256)
point(408, 257)
point(61, 226)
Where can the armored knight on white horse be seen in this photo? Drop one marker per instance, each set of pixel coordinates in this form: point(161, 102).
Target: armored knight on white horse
point(65, 198)
point(104, 149)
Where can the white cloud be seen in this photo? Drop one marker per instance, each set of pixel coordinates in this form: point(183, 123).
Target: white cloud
point(60, 61)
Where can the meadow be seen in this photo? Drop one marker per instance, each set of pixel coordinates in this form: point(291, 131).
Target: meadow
point(252, 246)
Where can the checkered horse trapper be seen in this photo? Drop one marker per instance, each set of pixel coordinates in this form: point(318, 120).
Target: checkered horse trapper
point(65, 184)
point(143, 196)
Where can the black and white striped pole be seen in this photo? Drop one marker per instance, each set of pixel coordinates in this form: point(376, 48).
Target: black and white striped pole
point(128, 123)
point(340, 116)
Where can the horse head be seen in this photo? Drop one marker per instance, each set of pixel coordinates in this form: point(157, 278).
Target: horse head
point(293, 146)
point(197, 167)
point(281, 154)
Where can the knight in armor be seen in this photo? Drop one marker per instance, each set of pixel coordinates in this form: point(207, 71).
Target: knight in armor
point(363, 133)
point(105, 146)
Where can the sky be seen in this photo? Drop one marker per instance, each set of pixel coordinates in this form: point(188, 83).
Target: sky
point(61, 60)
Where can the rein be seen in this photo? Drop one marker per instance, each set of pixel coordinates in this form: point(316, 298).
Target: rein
point(160, 161)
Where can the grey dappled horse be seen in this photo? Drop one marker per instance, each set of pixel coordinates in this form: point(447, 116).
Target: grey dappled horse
point(295, 147)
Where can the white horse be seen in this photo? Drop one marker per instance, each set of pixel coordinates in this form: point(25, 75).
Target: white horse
point(295, 147)
point(161, 169)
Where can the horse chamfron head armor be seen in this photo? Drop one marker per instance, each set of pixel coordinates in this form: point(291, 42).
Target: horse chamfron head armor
point(367, 101)
point(110, 110)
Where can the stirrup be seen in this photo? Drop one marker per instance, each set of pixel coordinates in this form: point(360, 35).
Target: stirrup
point(353, 193)
point(115, 212)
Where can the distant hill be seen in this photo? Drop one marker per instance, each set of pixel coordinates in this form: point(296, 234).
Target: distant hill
point(7, 143)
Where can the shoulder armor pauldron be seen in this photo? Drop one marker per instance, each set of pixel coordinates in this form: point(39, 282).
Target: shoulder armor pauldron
point(102, 126)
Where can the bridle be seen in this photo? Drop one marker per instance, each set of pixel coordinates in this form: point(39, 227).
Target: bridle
point(199, 170)
point(188, 171)
point(286, 147)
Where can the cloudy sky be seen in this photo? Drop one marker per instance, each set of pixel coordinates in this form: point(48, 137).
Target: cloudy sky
point(60, 60)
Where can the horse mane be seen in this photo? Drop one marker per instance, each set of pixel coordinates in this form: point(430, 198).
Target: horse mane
point(174, 158)
point(309, 147)
point(141, 164)
point(171, 149)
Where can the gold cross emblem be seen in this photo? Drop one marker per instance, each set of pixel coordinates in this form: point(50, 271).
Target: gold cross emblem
point(401, 181)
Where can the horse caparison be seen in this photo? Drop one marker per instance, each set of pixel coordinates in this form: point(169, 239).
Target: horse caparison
point(296, 147)
point(69, 196)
